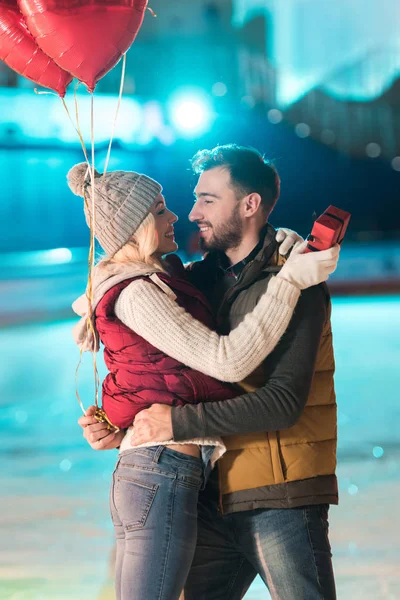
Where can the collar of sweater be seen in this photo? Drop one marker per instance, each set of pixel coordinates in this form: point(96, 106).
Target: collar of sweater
point(265, 260)
point(104, 276)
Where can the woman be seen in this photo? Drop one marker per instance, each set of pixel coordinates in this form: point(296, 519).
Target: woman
point(160, 346)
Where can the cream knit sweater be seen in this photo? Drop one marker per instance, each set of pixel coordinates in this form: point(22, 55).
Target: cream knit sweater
point(152, 312)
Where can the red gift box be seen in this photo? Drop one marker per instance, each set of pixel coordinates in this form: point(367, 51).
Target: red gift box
point(329, 229)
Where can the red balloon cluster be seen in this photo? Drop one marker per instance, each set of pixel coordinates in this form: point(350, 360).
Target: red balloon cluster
point(52, 41)
point(19, 51)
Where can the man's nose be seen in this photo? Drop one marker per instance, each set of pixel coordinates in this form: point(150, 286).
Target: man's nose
point(195, 214)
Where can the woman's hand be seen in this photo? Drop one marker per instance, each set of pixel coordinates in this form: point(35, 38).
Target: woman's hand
point(96, 434)
point(306, 270)
point(289, 239)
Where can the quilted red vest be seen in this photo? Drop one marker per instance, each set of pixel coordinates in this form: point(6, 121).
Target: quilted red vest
point(140, 374)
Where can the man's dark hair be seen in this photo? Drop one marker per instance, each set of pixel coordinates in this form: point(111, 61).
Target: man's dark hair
point(249, 171)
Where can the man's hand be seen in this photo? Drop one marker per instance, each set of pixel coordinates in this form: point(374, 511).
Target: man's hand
point(290, 239)
point(96, 434)
point(152, 424)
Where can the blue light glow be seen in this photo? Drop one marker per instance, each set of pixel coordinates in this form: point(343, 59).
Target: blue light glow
point(65, 465)
point(327, 45)
point(58, 256)
point(21, 417)
point(378, 451)
point(43, 119)
point(191, 114)
point(352, 489)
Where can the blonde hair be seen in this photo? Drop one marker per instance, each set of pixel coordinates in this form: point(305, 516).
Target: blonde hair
point(141, 247)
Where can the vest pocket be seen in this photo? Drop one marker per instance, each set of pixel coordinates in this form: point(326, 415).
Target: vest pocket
point(278, 465)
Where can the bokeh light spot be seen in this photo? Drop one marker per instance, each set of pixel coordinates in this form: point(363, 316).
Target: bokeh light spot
point(302, 130)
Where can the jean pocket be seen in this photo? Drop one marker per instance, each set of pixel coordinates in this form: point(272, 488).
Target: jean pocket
point(187, 481)
point(133, 501)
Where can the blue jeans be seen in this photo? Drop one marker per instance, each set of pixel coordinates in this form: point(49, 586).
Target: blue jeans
point(153, 501)
point(288, 548)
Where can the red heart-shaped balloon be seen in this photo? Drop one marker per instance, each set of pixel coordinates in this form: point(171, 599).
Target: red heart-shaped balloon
point(84, 37)
point(20, 52)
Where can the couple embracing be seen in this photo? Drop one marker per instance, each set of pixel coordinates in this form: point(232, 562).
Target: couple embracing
point(220, 387)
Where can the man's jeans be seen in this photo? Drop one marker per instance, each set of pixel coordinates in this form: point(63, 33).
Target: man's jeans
point(288, 548)
point(153, 502)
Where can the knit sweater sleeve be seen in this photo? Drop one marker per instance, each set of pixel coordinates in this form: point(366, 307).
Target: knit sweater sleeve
point(148, 311)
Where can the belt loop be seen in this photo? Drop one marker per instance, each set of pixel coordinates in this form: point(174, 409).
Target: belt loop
point(157, 453)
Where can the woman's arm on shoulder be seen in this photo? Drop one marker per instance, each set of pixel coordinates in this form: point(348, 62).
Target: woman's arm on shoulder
point(148, 311)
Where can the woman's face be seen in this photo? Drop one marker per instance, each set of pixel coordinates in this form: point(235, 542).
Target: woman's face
point(164, 222)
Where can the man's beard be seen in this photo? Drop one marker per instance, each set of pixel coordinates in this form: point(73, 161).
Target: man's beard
point(226, 236)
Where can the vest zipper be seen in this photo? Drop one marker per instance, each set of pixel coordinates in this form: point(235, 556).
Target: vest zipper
point(236, 289)
point(231, 292)
point(240, 285)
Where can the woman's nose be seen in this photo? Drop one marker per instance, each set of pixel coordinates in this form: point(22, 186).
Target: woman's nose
point(173, 217)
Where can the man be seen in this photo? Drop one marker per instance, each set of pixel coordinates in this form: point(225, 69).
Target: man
point(264, 510)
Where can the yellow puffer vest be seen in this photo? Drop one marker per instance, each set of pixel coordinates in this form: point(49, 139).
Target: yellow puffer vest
point(291, 467)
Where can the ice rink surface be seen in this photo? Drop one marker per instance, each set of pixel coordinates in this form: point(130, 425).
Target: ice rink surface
point(56, 538)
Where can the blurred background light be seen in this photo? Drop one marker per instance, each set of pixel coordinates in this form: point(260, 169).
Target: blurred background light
point(248, 101)
point(353, 548)
point(275, 116)
point(219, 89)
point(373, 150)
point(352, 489)
point(302, 130)
point(57, 256)
point(65, 465)
point(378, 451)
point(396, 163)
point(191, 113)
point(327, 136)
point(21, 417)
point(316, 45)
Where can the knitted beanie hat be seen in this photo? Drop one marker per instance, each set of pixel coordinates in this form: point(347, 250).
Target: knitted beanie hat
point(122, 199)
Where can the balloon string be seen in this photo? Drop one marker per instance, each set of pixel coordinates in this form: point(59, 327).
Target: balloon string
point(76, 382)
point(78, 131)
point(153, 14)
point(76, 127)
point(90, 330)
point(89, 292)
point(121, 87)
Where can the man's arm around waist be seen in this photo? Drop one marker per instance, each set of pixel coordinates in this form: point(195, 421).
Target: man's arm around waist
point(280, 402)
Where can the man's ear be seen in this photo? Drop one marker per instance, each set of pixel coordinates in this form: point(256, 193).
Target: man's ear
point(251, 204)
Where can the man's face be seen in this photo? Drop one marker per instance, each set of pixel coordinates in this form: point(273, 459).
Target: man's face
point(217, 211)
